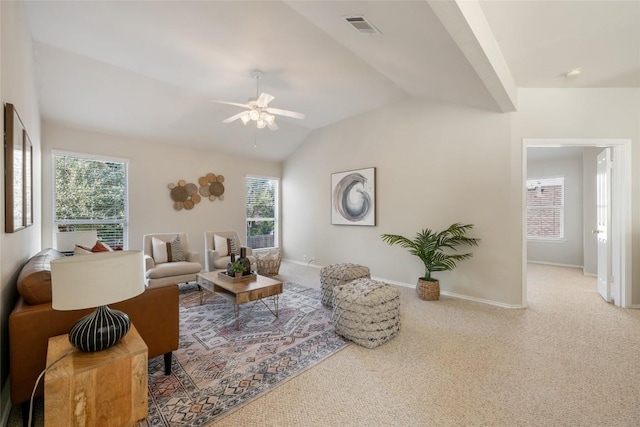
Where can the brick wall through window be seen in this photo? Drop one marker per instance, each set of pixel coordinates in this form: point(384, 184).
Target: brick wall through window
point(545, 208)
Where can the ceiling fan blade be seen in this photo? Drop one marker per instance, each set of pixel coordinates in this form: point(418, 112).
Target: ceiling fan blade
point(286, 113)
point(237, 104)
point(234, 117)
point(264, 99)
point(272, 126)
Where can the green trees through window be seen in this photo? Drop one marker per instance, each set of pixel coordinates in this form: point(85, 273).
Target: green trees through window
point(91, 194)
point(262, 218)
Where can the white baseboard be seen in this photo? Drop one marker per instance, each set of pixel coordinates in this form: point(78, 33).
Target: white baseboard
point(634, 306)
point(413, 285)
point(393, 282)
point(483, 301)
point(555, 264)
point(306, 264)
point(452, 294)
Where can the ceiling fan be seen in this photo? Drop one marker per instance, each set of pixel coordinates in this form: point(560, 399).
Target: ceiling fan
point(258, 109)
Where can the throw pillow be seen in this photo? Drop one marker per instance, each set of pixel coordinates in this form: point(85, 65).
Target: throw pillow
point(98, 247)
point(221, 244)
point(177, 253)
point(81, 250)
point(233, 246)
point(101, 247)
point(161, 250)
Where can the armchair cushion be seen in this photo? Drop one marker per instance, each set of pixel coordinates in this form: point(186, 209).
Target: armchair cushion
point(178, 268)
point(222, 262)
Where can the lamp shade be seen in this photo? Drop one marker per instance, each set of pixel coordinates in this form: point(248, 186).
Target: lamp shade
point(94, 280)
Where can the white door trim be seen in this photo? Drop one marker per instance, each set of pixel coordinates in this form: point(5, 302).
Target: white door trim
point(621, 209)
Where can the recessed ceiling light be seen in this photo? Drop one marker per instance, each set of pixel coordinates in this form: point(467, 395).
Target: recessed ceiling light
point(573, 73)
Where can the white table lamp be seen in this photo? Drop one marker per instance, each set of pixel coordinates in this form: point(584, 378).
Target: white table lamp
point(96, 280)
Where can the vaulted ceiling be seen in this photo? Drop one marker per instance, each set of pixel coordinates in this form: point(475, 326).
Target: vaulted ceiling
point(150, 69)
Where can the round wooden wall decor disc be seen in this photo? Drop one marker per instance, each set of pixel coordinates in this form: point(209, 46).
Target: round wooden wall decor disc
point(211, 177)
point(188, 205)
point(220, 178)
point(171, 186)
point(196, 198)
point(202, 180)
point(221, 197)
point(177, 206)
point(182, 183)
point(179, 194)
point(204, 191)
point(216, 188)
point(212, 198)
point(191, 189)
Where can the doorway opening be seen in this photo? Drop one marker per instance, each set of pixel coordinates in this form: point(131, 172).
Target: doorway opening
point(620, 239)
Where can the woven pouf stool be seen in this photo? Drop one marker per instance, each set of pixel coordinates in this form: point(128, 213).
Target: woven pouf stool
point(339, 274)
point(366, 312)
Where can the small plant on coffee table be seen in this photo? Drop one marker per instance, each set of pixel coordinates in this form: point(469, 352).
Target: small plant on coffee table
point(237, 267)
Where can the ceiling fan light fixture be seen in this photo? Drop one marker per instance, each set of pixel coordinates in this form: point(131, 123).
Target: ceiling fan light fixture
point(269, 119)
point(258, 109)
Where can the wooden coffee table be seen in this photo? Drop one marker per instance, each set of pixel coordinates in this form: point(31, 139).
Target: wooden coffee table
point(242, 292)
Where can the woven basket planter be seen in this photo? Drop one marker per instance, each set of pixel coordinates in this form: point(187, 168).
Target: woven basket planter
point(268, 267)
point(428, 290)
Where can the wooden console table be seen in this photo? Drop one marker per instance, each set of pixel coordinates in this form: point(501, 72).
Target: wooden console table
point(105, 388)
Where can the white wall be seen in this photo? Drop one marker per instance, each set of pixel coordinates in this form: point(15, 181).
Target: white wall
point(556, 162)
point(436, 164)
point(585, 113)
point(152, 167)
point(17, 87)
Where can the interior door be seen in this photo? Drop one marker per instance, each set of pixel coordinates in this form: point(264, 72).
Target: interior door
point(603, 218)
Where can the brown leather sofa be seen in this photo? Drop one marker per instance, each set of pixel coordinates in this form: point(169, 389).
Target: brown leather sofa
point(154, 313)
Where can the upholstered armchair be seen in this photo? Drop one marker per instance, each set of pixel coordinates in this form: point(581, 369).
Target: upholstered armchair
point(218, 256)
point(169, 259)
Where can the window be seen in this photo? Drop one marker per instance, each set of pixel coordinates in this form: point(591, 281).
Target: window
point(91, 193)
point(262, 212)
point(545, 208)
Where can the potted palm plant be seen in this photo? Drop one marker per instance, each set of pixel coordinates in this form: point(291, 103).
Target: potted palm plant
point(430, 247)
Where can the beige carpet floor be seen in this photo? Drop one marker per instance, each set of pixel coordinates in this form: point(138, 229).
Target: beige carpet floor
point(570, 359)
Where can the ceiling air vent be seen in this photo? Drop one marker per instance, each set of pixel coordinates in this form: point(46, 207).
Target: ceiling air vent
point(361, 25)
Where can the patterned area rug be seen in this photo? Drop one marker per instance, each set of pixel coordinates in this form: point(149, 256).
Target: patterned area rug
point(218, 369)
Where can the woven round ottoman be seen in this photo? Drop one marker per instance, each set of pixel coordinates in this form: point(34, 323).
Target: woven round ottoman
point(339, 274)
point(366, 312)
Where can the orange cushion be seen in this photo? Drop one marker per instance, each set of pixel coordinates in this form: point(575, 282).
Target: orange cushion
point(101, 247)
point(98, 247)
